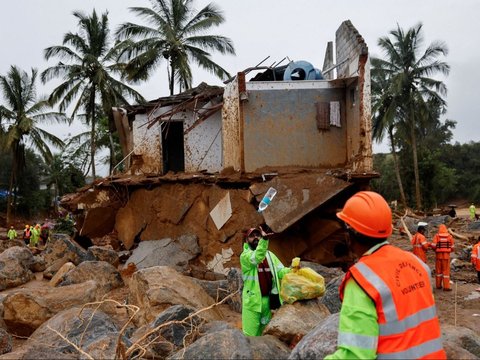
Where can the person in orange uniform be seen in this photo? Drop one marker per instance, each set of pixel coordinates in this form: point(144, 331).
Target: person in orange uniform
point(388, 310)
point(419, 242)
point(443, 244)
point(476, 259)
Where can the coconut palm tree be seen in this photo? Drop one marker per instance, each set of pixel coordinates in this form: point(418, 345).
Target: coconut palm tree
point(174, 33)
point(409, 70)
point(88, 73)
point(21, 115)
point(385, 110)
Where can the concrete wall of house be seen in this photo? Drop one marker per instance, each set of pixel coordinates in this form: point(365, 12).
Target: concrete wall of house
point(280, 125)
point(147, 152)
point(351, 45)
point(203, 144)
point(232, 145)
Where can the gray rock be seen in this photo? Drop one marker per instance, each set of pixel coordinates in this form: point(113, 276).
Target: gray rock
point(319, 342)
point(100, 271)
point(156, 288)
point(93, 331)
point(214, 326)
point(166, 252)
point(5, 342)
point(217, 289)
point(38, 352)
point(461, 337)
point(26, 309)
point(228, 344)
point(235, 283)
point(331, 298)
point(268, 347)
point(292, 322)
point(51, 270)
point(39, 264)
point(173, 336)
point(102, 253)
point(61, 246)
point(15, 264)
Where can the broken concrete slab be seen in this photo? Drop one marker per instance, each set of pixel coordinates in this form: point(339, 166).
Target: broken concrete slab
point(222, 211)
point(165, 252)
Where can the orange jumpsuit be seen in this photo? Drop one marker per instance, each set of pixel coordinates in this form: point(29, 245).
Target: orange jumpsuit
point(420, 246)
point(476, 259)
point(443, 245)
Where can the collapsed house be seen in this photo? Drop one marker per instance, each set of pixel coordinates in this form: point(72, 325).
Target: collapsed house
point(197, 164)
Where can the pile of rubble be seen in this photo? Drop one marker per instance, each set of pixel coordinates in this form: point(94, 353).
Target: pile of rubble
point(87, 304)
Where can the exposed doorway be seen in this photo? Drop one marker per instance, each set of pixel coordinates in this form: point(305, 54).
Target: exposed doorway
point(172, 147)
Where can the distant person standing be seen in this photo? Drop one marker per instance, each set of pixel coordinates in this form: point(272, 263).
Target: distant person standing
point(476, 259)
point(472, 209)
point(27, 234)
point(443, 245)
point(35, 235)
point(419, 242)
point(12, 233)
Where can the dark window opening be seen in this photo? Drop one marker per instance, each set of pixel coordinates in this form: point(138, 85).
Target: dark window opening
point(172, 147)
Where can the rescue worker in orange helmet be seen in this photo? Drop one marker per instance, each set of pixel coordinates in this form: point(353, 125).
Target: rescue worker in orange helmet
point(419, 242)
point(475, 257)
point(27, 234)
point(443, 245)
point(388, 310)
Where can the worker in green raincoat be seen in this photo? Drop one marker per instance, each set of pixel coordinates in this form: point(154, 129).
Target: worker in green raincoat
point(262, 272)
point(35, 235)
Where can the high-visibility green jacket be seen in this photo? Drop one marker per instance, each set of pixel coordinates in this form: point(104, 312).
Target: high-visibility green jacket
point(35, 236)
point(249, 260)
point(11, 234)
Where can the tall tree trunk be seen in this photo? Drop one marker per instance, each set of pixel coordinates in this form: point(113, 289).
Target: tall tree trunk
point(92, 135)
point(413, 140)
point(11, 189)
point(403, 199)
point(172, 78)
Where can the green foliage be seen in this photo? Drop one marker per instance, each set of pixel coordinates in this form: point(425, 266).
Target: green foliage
point(174, 33)
point(65, 225)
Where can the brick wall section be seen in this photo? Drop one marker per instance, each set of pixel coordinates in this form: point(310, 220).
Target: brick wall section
point(350, 44)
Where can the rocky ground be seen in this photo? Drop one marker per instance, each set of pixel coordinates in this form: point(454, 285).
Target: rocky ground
point(148, 310)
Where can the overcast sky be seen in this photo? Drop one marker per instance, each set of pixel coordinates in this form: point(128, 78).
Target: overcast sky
point(298, 29)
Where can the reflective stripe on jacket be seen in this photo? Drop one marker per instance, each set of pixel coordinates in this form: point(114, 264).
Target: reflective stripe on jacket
point(399, 285)
point(249, 260)
point(443, 243)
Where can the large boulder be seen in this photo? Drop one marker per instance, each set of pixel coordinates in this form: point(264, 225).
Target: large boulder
point(104, 253)
point(268, 347)
point(26, 309)
point(319, 342)
point(460, 342)
point(156, 288)
point(292, 322)
point(61, 246)
point(6, 244)
point(100, 271)
point(38, 352)
point(166, 252)
point(171, 336)
point(92, 331)
point(56, 265)
point(227, 344)
point(15, 264)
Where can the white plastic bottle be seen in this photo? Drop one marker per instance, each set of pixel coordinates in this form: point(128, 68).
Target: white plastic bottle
point(267, 198)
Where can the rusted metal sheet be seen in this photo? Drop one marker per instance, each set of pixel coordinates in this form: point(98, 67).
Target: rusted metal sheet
point(297, 196)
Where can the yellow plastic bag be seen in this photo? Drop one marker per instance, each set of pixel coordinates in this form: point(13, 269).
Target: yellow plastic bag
point(301, 284)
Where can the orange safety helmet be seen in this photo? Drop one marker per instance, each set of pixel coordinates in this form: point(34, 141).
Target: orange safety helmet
point(369, 214)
